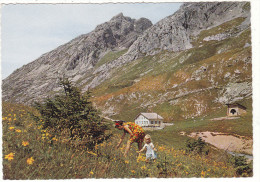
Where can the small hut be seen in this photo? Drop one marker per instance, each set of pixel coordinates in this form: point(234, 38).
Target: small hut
point(235, 109)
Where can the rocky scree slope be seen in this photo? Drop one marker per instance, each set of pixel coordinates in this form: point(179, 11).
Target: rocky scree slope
point(75, 59)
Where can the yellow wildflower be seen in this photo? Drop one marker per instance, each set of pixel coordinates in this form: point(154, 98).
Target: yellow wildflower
point(9, 156)
point(54, 139)
point(143, 167)
point(92, 153)
point(30, 161)
point(203, 174)
point(162, 148)
point(91, 173)
point(18, 131)
point(25, 143)
point(11, 128)
point(126, 161)
point(133, 171)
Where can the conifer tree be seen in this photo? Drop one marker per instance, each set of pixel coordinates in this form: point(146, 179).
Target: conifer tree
point(72, 111)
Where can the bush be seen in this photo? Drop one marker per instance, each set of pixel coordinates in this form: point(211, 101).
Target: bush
point(242, 167)
point(197, 146)
point(72, 114)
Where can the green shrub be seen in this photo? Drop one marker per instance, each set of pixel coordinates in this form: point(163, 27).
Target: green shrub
point(241, 165)
point(73, 115)
point(197, 146)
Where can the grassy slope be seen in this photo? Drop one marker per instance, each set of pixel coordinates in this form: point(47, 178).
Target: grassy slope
point(55, 159)
point(110, 56)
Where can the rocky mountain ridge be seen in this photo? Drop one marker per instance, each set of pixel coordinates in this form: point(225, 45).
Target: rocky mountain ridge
point(72, 59)
point(174, 33)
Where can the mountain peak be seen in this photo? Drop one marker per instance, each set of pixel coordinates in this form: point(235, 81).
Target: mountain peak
point(118, 16)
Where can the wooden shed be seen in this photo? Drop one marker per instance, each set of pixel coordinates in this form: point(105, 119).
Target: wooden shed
point(235, 109)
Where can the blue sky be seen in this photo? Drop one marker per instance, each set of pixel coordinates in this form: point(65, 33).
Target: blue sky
point(30, 30)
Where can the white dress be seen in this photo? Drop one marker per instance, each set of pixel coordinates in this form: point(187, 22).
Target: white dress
point(149, 151)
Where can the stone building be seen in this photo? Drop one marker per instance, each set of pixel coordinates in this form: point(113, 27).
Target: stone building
point(235, 109)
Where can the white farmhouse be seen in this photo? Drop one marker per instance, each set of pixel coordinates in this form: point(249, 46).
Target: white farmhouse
point(149, 120)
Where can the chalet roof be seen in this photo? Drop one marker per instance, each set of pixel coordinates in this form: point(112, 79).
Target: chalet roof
point(151, 115)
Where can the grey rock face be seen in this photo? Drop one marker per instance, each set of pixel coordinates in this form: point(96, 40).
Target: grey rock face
point(74, 59)
point(174, 33)
point(234, 92)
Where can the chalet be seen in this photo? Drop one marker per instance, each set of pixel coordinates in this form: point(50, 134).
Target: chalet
point(149, 120)
point(235, 109)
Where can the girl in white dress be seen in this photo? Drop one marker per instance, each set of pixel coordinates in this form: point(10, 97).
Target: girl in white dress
point(149, 147)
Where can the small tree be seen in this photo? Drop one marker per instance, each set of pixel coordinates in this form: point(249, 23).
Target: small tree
point(197, 146)
point(74, 112)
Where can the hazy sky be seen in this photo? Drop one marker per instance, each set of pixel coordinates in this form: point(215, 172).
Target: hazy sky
point(30, 30)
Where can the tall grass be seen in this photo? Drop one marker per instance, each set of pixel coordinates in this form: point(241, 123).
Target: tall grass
point(32, 153)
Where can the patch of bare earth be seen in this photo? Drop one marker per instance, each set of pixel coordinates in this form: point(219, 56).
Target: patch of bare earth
point(227, 142)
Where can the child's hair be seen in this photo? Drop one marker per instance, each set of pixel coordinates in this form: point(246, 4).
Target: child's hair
point(148, 137)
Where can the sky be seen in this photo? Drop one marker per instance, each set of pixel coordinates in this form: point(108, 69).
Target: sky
point(30, 30)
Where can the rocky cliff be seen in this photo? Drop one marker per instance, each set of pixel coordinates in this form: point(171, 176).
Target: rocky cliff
point(176, 32)
point(187, 65)
point(73, 60)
